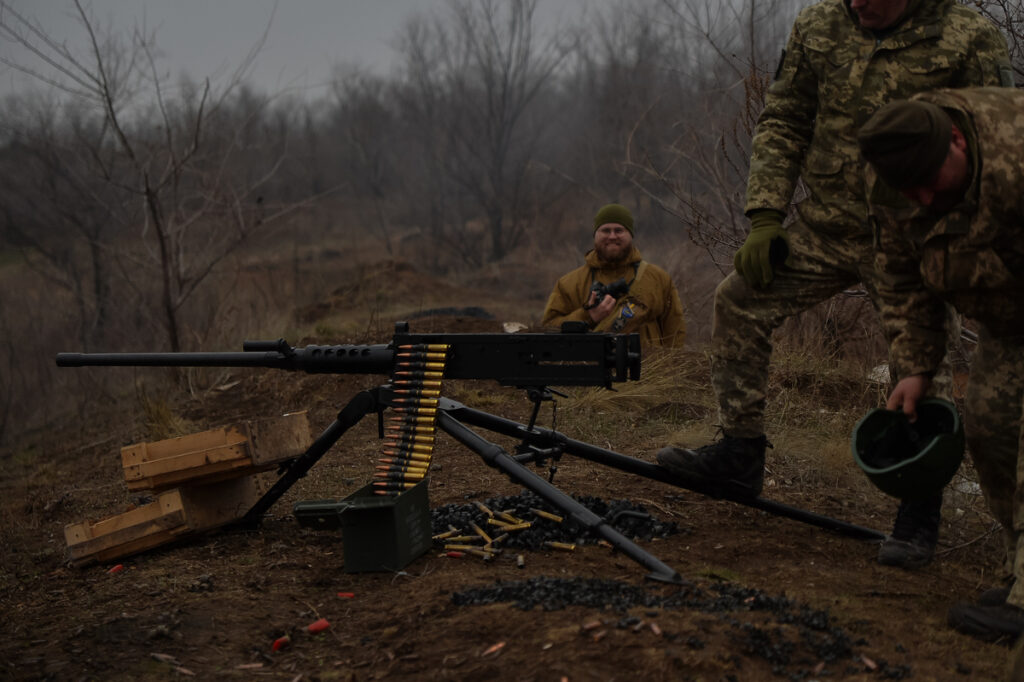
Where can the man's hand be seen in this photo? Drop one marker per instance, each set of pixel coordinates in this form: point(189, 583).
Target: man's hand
point(908, 393)
point(766, 245)
point(601, 310)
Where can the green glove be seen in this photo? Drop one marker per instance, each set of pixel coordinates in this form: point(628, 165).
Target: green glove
point(767, 245)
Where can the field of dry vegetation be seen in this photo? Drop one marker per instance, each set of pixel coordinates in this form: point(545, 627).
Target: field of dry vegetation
point(768, 598)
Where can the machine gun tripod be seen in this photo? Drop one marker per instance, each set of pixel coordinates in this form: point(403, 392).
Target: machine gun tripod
point(529, 361)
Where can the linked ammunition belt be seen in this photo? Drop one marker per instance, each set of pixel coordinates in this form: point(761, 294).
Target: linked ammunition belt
point(409, 436)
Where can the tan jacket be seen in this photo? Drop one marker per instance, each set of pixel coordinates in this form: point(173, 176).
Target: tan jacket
point(651, 308)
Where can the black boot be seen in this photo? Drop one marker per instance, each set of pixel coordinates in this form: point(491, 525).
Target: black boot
point(729, 465)
point(914, 535)
point(994, 623)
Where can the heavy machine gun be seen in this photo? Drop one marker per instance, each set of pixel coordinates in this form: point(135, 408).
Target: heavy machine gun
point(532, 361)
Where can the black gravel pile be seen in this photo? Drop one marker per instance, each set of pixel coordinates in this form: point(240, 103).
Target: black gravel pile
point(794, 651)
point(630, 519)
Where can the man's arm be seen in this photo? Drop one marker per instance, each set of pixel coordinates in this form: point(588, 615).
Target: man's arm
point(784, 130)
point(991, 58)
point(565, 304)
point(913, 319)
point(672, 324)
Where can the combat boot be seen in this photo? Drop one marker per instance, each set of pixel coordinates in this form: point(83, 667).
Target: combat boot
point(998, 623)
point(914, 535)
point(730, 464)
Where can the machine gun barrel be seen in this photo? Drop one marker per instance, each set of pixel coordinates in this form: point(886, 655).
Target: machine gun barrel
point(348, 359)
point(523, 360)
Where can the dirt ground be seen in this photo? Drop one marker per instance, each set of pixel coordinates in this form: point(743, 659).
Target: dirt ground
point(767, 598)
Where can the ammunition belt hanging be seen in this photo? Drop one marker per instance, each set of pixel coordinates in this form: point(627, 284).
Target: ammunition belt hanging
point(409, 436)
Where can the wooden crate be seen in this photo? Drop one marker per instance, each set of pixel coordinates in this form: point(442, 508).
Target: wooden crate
point(217, 454)
point(174, 515)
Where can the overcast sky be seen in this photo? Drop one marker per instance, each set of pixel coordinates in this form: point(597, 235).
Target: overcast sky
point(209, 38)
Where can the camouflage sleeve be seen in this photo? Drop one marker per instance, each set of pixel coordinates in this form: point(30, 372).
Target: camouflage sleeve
point(784, 130)
point(912, 318)
point(991, 58)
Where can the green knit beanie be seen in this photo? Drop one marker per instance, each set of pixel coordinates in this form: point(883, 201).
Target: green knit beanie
point(906, 141)
point(614, 213)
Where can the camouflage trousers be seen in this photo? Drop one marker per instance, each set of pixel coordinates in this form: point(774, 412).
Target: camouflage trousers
point(993, 424)
point(819, 266)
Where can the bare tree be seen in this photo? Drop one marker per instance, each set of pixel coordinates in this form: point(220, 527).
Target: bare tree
point(486, 71)
point(166, 166)
point(728, 51)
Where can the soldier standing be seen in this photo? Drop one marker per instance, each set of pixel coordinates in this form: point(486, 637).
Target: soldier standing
point(844, 59)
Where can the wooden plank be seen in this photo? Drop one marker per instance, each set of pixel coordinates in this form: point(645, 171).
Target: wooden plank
point(204, 440)
point(274, 440)
point(175, 514)
point(209, 506)
point(216, 454)
point(164, 513)
point(189, 464)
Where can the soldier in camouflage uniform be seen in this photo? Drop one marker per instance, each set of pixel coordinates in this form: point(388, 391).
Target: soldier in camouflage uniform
point(959, 154)
point(844, 59)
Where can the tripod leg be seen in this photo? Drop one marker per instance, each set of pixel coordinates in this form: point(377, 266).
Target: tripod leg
point(362, 404)
point(547, 438)
point(496, 457)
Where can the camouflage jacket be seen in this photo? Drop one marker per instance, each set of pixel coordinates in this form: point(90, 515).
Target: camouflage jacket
point(833, 76)
point(972, 256)
point(652, 307)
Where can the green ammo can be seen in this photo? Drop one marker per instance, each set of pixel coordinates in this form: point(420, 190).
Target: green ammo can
point(378, 532)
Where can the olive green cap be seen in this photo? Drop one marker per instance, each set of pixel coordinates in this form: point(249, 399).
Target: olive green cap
point(906, 141)
point(614, 213)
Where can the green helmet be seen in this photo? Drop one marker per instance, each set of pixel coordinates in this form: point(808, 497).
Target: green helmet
point(910, 461)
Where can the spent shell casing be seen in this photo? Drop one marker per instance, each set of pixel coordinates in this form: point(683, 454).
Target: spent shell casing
point(462, 547)
point(482, 553)
point(483, 507)
point(499, 523)
point(520, 560)
point(508, 518)
point(564, 546)
point(547, 515)
point(464, 538)
point(517, 526)
point(444, 535)
point(424, 346)
point(480, 531)
point(498, 540)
